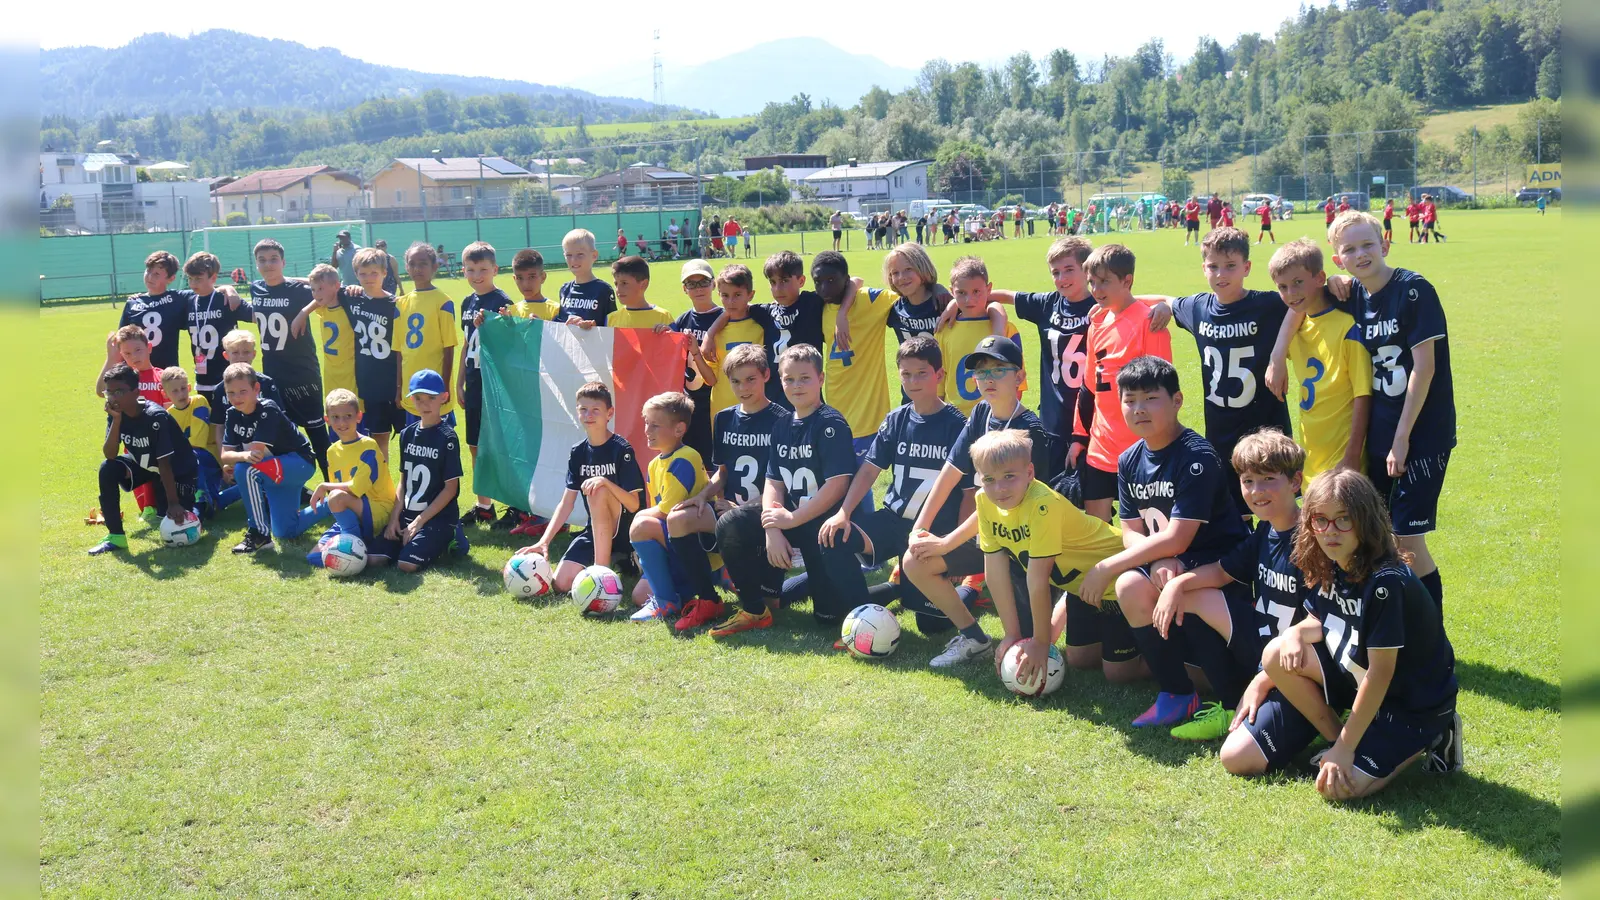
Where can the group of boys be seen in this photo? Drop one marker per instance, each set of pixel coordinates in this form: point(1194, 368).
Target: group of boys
point(751, 476)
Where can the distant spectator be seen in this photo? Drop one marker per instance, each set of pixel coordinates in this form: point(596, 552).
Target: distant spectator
point(836, 222)
point(391, 272)
point(344, 257)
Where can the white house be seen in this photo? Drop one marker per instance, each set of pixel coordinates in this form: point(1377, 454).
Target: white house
point(290, 195)
point(543, 166)
point(103, 193)
point(878, 185)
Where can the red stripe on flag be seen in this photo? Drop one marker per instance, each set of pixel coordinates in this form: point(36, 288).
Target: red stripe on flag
point(644, 364)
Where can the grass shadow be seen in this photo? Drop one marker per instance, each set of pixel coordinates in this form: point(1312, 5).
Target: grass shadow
point(1493, 813)
point(1509, 686)
point(165, 563)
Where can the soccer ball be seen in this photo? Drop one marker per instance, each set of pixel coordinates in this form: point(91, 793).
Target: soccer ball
point(344, 555)
point(527, 575)
point(1055, 673)
point(181, 535)
point(597, 590)
point(870, 632)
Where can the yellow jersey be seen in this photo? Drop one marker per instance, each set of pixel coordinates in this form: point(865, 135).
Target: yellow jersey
point(425, 333)
point(628, 317)
point(734, 333)
point(196, 423)
point(960, 388)
point(1043, 525)
point(1333, 367)
point(359, 463)
point(534, 309)
point(338, 342)
point(857, 382)
point(675, 477)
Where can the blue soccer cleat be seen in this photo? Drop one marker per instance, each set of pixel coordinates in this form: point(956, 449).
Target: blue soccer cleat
point(1168, 710)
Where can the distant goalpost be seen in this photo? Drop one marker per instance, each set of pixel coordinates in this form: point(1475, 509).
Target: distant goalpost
point(305, 244)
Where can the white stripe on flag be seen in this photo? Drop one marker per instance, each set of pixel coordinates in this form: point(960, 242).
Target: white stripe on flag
point(568, 357)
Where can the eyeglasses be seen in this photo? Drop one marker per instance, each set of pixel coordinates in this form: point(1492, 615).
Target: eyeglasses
point(695, 284)
point(1321, 524)
point(994, 374)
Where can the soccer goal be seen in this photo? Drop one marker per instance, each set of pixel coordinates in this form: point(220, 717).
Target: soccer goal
point(304, 243)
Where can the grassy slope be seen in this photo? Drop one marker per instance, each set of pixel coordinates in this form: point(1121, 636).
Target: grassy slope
point(250, 726)
point(615, 129)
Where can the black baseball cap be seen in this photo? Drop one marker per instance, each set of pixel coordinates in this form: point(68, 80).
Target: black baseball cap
point(995, 347)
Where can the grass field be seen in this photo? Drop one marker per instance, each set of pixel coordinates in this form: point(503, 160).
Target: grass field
point(216, 724)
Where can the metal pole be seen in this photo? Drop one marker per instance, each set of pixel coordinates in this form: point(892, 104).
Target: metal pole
point(477, 202)
point(1474, 162)
point(1305, 168)
point(1208, 168)
point(1538, 141)
point(1080, 178)
point(1358, 166)
point(699, 193)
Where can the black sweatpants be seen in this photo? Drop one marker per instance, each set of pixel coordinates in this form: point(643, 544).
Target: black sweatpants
point(834, 578)
point(123, 474)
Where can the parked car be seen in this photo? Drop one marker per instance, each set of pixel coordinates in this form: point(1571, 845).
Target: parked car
point(1252, 202)
point(1357, 199)
point(1530, 194)
point(1442, 194)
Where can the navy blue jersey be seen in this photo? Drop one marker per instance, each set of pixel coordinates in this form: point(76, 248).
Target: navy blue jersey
point(269, 391)
point(162, 317)
point(429, 459)
point(268, 425)
point(742, 443)
point(1235, 341)
point(210, 319)
point(696, 324)
point(612, 460)
point(1048, 454)
point(377, 363)
point(1063, 329)
point(154, 435)
point(909, 319)
point(593, 300)
point(1262, 561)
point(912, 448)
point(294, 361)
point(1183, 480)
point(1392, 610)
point(807, 452)
point(1402, 314)
point(494, 301)
point(798, 323)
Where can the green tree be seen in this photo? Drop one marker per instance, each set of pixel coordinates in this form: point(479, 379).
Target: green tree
point(960, 166)
point(1549, 83)
point(875, 103)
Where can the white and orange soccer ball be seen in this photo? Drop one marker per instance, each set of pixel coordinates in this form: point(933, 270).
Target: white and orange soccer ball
point(597, 591)
point(182, 534)
point(527, 575)
point(870, 632)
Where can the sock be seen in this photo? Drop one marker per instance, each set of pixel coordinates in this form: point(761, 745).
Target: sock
point(1435, 586)
point(119, 540)
point(976, 633)
point(1211, 653)
point(311, 515)
point(793, 589)
point(696, 564)
point(314, 558)
point(969, 595)
point(349, 522)
point(658, 571)
point(1165, 659)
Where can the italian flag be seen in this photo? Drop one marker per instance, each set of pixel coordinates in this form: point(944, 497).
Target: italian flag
point(531, 371)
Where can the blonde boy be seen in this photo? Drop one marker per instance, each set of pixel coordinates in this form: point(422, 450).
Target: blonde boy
point(426, 327)
point(585, 300)
point(359, 493)
point(192, 412)
point(337, 339)
point(676, 474)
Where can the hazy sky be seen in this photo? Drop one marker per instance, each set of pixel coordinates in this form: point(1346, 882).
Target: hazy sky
point(557, 43)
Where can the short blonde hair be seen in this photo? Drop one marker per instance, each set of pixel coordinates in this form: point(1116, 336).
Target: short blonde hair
point(915, 257)
point(323, 272)
point(341, 398)
point(239, 371)
point(370, 256)
point(745, 355)
point(238, 338)
point(581, 236)
point(174, 375)
point(968, 267)
point(999, 449)
point(1075, 246)
point(1268, 452)
point(1349, 219)
point(675, 404)
point(1301, 254)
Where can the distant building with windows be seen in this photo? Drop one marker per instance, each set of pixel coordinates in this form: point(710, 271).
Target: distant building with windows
point(877, 185)
point(640, 185)
point(290, 195)
point(101, 192)
point(449, 187)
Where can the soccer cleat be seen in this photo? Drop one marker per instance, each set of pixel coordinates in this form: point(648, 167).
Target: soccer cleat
point(459, 544)
point(532, 526)
point(108, 545)
point(1168, 710)
point(961, 649)
point(894, 574)
point(698, 613)
point(653, 610)
point(742, 621)
point(150, 516)
point(253, 542)
point(476, 514)
point(976, 582)
point(1210, 723)
point(1445, 756)
point(511, 518)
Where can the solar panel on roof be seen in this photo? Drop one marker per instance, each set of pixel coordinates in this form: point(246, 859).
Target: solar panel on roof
point(502, 166)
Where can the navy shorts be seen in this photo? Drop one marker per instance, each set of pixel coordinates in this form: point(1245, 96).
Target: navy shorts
point(1413, 497)
point(383, 417)
point(581, 549)
point(302, 403)
point(1087, 626)
point(1095, 483)
point(472, 407)
point(430, 543)
point(1282, 732)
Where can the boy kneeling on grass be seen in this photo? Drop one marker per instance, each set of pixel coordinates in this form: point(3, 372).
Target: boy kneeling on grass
point(359, 492)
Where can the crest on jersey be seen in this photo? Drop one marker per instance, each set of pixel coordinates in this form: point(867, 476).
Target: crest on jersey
point(1381, 593)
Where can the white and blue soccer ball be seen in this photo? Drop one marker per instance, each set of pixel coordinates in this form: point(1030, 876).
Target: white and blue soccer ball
point(597, 591)
point(1055, 673)
point(182, 534)
point(344, 555)
point(870, 632)
point(527, 575)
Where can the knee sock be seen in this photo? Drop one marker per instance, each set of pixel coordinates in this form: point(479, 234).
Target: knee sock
point(311, 515)
point(658, 571)
point(969, 595)
point(350, 523)
point(1211, 653)
point(1165, 659)
point(1435, 586)
point(696, 565)
point(318, 437)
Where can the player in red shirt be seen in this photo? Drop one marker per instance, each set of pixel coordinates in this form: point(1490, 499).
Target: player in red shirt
point(1344, 204)
point(1414, 214)
point(1327, 210)
point(1430, 219)
point(1265, 211)
point(1388, 221)
point(622, 243)
point(1191, 221)
point(1227, 215)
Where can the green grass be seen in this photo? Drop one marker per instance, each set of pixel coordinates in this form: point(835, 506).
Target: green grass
point(215, 724)
point(1442, 128)
point(617, 129)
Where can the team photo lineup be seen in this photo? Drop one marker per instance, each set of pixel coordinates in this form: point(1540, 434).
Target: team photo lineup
point(1272, 580)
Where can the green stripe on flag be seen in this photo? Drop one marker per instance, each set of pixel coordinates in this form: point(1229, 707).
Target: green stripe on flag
point(511, 432)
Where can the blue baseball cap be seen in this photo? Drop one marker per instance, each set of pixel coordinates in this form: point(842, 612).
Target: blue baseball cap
point(425, 381)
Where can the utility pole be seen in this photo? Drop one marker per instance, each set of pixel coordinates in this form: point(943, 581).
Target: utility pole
point(1474, 162)
point(477, 202)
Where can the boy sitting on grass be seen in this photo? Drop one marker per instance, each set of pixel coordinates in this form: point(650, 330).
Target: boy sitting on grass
point(271, 460)
point(192, 414)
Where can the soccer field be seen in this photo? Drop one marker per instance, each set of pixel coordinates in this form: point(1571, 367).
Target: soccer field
point(216, 723)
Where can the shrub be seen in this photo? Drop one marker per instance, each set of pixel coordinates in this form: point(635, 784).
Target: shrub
point(778, 219)
point(238, 218)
